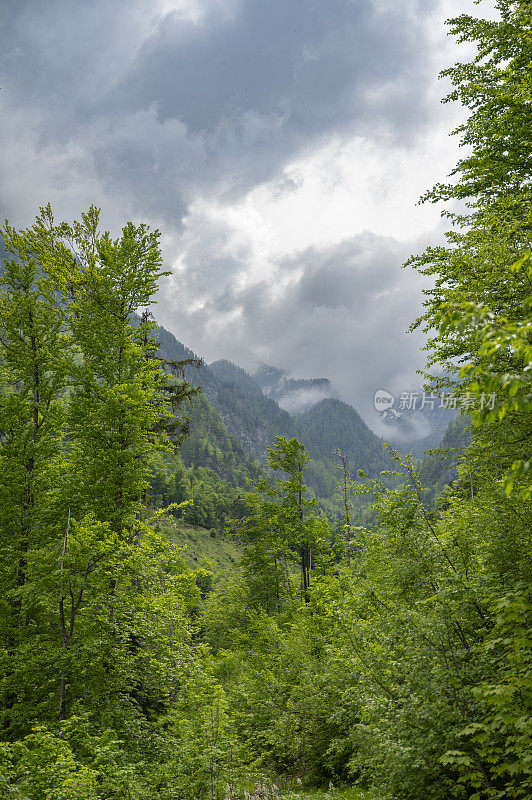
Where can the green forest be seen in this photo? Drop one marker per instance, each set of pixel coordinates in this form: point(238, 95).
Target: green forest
point(182, 620)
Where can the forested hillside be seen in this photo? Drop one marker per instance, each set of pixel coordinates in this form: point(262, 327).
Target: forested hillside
point(255, 418)
point(332, 425)
point(440, 467)
point(181, 618)
point(236, 416)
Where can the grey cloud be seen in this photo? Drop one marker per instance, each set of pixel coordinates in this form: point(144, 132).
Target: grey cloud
point(268, 80)
point(162, 109)
point(309, 62)
point(360, 343)
point(349, 275)
point(143, 116)
point(301, 399)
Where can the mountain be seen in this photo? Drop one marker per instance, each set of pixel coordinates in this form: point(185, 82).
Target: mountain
point(327, 426)
point(234, 421)
point(238, 416)
point(212, 444)
point(246, 411)
point(440, 468)
point(292, 394)
point(333, 425)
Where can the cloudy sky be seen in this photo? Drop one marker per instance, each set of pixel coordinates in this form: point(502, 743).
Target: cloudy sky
point(279, 145)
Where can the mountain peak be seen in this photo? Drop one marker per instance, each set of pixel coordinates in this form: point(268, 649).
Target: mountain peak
point(293, 394)
point(266, 375)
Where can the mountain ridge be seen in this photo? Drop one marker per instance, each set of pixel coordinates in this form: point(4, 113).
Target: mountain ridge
point(254, 420)
point(234, 422)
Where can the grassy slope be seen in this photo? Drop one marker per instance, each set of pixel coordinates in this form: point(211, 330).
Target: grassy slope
point(201, 550)
point(345, 793)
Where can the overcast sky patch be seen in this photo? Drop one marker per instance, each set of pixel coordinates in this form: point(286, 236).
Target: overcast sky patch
point(280, 147)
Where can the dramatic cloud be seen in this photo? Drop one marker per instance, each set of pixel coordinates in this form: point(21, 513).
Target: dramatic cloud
point(280, 147)
point(339, 311)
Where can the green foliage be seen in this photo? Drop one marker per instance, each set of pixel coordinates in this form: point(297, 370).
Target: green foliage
point(137, 661)
point(283, 523)
point(206, 758)
point(479, 317)
point(97, 607)
point(479, 310)
point(75, 762)
point(43, 767)
point(503, 734)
